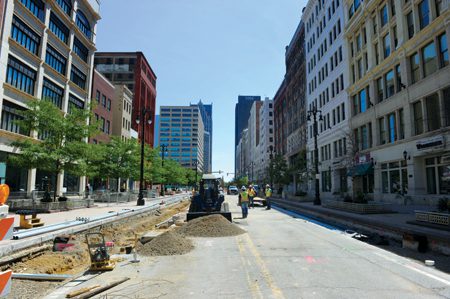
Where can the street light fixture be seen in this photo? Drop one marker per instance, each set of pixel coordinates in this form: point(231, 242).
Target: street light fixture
point(314, 113)
point(163, 151)
point(144, 113)
point(195, 163)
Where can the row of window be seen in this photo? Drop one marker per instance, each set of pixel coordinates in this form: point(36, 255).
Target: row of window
point(178, 129)
point(106, 103)
point(105, 125)
point(126, 124)
point(178, 125)
point(127, 107)
point(37, 8)
point(30, 40)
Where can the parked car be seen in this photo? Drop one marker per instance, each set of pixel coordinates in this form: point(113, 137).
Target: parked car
point(233, 190)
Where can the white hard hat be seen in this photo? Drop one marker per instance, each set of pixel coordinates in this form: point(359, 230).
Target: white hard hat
point(243, 188)
point(267, 186)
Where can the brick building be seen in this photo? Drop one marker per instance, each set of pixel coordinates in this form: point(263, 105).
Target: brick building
point(133, 70)
point(103, 93)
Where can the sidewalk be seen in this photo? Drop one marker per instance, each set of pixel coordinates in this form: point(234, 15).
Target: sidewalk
point(393, 224)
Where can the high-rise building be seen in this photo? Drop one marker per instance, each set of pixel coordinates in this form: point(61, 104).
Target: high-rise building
point(103, 93)
point(206, 112)
point(182, 132)
point(327, 81)
point(400, 98)
point(241, 114)
point(290, 104)
point(47, 50)
point(265, 141)
point(133, 70)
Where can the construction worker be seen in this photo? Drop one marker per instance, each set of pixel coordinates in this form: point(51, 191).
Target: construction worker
point(244, 201)
point(251, 195)
point(268, 193)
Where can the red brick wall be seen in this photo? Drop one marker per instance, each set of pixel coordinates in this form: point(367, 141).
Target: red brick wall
point(144, 97)
point(102, 85)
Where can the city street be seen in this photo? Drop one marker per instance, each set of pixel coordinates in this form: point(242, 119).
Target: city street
point(280, 257)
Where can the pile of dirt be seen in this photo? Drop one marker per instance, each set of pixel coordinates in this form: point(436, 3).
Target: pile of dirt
point(168, 243)
point(210, 226)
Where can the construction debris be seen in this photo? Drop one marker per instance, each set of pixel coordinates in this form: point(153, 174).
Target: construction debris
point(168, 243)
point(82, 291)
point(210, 226)
point(102, 289)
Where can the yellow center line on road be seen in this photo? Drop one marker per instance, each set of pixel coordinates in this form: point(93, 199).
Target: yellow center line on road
point(253, 284)
point(276, 291)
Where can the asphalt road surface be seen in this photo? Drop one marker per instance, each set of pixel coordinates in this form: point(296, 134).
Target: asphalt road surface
point(280, 257)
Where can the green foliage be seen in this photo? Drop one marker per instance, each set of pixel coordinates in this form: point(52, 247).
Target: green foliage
point(278, 170)
point(63, 144)
point(241, 181)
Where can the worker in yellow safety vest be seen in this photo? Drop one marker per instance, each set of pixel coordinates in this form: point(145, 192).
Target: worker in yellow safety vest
point(251, 195)
point(244, 201)
point(268, 193)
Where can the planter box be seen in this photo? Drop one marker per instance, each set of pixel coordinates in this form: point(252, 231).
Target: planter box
point(433, 217)
point(360, 208)
point(71, 203)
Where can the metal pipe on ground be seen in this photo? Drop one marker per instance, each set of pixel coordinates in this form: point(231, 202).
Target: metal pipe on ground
point(43, 277)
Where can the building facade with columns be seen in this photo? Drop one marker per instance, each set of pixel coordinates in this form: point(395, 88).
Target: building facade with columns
point(399, 92)
point(47, 50)
point(326, 83)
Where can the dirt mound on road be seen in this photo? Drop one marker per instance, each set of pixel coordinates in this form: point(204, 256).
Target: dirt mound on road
point(210, 226)
point(168, 243)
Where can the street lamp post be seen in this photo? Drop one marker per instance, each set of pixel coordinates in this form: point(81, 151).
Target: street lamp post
point(144, 112)
point(314, 113)
point(270, 151)
point(195, 163)
point(163, 151)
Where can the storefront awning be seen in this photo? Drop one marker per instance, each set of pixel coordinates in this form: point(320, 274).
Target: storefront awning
point(361, 169)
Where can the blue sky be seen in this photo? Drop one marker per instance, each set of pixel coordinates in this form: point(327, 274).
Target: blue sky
point(213, 50)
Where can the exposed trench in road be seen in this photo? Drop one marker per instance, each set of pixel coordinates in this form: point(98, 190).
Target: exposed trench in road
point(122, 232)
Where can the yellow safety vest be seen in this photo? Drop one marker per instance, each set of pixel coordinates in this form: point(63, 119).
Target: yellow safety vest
point(268, 192)
point(244, 196)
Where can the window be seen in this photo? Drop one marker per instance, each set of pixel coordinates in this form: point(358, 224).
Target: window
point(415, 68)
point(103, 124)
point(83, 24)
point(446, 107)
point(25, 36)
point(108, 126)
point(377, 54)
point(394, 177)
point(401, 122)
point(392, 127)
point(66, 5)
point(56, 60)
point(20, 76)
point(382, 130)
point(360, 70)
point(429, 59)
point(433, 112)
point(104, 101)
point(358, 42)
point(424, 14)
point(380, 90)
point(77, 77)
point(387, 45)
point(80, 49)
point(389, 81)
point(364, 138)
point(53, 93)
point(438, 172)
point(398, 77)
point(58, 28)
point(75, 102)
point(10, 116)
point(438, 7)
point(384, 15)
point(443, 50)
point(374, 21)
point(392, 3)
point(394, 30)
point(410, 24)
point(418, 118)
point(108, 105)
point(363, 100)
point(97, 97)
point(36, 7)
